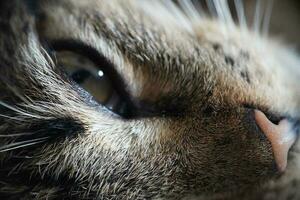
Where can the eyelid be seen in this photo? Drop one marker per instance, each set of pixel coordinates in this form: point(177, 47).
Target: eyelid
point(89, 52)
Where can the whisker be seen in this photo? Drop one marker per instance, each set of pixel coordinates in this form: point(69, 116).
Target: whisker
point(190, 10)
point(257, 17)
point(240, 9)
point(199, 8)
point(227, 12)
point(22, 146)
point(18, 110)
point(18, 145)
point(211, 8)
point(267, 18)
point(16, 135)
point(13, 118)
point(220, 13)
point(24, 98)
point(178, 13)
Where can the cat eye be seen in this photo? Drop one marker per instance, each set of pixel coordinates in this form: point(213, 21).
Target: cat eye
point(93, 77)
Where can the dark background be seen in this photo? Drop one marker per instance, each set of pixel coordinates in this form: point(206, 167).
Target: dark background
point(285, 19)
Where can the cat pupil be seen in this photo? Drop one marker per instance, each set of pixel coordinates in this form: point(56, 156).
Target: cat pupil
point(80, 76)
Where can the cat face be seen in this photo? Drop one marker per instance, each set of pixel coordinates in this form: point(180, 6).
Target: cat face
point(182, 117)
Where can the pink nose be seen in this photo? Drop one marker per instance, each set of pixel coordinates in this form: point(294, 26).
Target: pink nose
point(281, 137)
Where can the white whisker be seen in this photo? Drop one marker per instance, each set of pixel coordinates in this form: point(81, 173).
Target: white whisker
point(211, 8)
point(13, 118)
point(257, 17)
point(241, 13)
point(220, 13)
point(267, 18)
point(18, 145)
point(22, 146)
point(20, 111)
point(226, 12)
point(190, 10)
point(15, 135)
point(199, 8)
point(178, 13)
point(18, 94)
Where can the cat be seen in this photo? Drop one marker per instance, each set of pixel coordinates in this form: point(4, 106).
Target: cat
point(144, 100)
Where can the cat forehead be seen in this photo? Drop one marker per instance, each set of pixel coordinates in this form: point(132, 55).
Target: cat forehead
point(177, 47)
point(151, 33)
point(158, 27)
point(123, 30)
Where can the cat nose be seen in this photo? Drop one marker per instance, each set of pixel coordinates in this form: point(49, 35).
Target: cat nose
point(281, 136)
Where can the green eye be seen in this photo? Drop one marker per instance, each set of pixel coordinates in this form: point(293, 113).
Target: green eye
point(93, 79)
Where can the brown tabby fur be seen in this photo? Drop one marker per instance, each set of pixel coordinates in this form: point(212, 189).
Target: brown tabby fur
point(194, 88)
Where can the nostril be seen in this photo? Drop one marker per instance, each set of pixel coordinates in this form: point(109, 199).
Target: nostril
point(272, 116)
point(297, 125)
